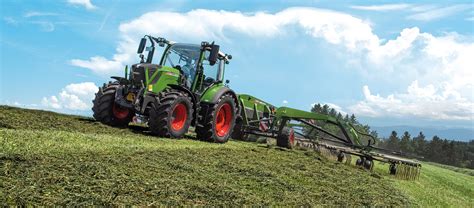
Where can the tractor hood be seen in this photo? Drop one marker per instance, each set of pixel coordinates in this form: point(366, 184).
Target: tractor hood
point(153, 76)
point(137, 74)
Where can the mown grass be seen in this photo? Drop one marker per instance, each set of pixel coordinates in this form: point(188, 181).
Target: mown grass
point(52, 159)
point(466, 171)
point(436, 186)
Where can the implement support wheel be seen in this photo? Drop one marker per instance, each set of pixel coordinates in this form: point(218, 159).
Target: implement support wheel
point(286, 138)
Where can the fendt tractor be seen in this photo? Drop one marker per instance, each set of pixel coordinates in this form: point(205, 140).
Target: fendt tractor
point(186, 88)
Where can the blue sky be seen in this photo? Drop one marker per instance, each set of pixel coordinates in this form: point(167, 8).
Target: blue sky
point(390, 63)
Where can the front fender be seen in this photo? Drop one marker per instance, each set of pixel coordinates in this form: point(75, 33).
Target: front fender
point(149, 98)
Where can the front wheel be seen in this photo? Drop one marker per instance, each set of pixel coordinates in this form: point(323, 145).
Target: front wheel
point(107, 111)
point(172, 117)
point(218, 120)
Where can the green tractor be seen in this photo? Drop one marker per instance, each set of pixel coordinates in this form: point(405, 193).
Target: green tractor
point(184, 88)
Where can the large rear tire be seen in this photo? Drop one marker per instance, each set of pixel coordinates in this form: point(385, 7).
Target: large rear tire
point(172, 117)
point(218, 120)
point(107, 111)
point(286, 138)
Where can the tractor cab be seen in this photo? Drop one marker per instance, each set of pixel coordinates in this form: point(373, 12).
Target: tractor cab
point(199, 66)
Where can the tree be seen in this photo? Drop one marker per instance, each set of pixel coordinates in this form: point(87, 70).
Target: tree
point(405, 143)
point(393, 141)
point(325, 109)
point(316, 108)
point(419, 144)
point(353, 119)
point(434, 149)
point(333, 112)
point(346, 118)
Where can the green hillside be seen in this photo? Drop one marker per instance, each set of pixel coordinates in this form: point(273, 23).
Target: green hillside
point(54, 159)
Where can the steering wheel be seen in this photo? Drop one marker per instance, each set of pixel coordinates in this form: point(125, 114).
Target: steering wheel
point(178, 67)
point(209, 80)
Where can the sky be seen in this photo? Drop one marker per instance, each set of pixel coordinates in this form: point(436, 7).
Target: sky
point(387, 62)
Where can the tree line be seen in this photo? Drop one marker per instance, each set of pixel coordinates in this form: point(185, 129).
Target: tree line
point(444, 151)
point(448, 152)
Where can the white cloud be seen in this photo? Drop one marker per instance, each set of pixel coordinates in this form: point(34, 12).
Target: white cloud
point(46, 26)
point(10, 21)
point(99, 64)
point(39, 14)
point(413, 55)
point(334, 27)
point(436, 103)
point(22, 105)
point(383, 7)
point(85, 3)
point(337, 108)
point(439, 13)
point(285, 101)
point(76, 97)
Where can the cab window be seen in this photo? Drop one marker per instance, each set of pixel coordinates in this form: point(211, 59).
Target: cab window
point(210, 72)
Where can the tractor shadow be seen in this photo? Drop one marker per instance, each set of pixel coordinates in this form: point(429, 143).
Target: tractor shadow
point(87, 120)
point(143, 130)
point(138, 129)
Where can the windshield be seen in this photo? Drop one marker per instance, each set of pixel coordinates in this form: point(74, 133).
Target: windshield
point(184, 57)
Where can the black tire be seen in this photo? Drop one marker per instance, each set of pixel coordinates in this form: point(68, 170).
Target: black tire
point(340, 157)
point(106, 111)
point(238, 133)
point(166, 119)
point(393, 169)
point(286, 138)
point(207, 129)
point(368, 164)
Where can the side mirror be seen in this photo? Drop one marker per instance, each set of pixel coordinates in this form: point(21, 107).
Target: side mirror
point(213, 55)
point(141, 47)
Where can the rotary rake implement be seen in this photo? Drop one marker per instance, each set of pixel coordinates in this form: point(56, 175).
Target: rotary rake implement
point(337, 139)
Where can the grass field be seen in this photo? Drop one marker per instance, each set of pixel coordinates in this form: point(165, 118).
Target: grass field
point(437, 186)
point(53, 159)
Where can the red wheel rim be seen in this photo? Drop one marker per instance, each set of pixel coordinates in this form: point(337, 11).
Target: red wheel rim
point(180, 114)
point(224, 117)
point(119, 112)
point(292, 137)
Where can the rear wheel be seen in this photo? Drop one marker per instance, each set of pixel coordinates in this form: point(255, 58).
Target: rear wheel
point(286, 138)
point(172, 117)
point(107, 111)
point(218, 120)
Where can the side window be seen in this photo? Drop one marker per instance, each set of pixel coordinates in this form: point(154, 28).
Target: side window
point(210, 72)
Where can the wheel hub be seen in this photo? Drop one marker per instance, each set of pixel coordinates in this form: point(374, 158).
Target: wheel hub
point(180, 114)
point(223, 120)
point(120, 112)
